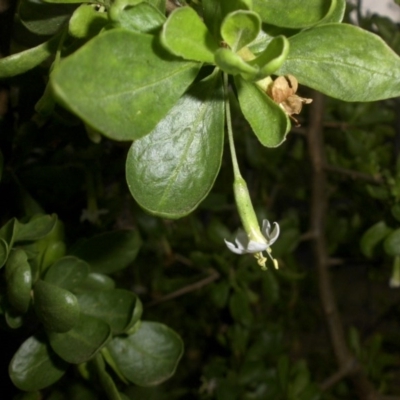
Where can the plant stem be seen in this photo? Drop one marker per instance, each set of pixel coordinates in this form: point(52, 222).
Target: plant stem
point(236, 170)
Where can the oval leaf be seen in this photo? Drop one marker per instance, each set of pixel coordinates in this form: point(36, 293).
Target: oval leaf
point(185, 35)
point(149, 356)
point(37, 228)
point(127, 95)
point(35, 366)
point(293, 14)
point(268, 121)
point(95, 281)
point(392, 244)
point(86, 21)
point(233, 64)
point(56, 308)
point(344, 62)
point(83, 341)
point(170, 171)
point(19, 280)
point(240, 28)
point(68, 272)
point(373, 236)
point(109, 252)
point(119, 308)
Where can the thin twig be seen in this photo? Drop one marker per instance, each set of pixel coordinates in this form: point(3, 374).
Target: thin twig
point(376, 180)
point(186, 289)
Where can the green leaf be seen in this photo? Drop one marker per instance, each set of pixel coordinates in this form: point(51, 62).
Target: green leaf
point(83, 341)
point(26, 60)
point(293, 14)
point(336, 14)
point(3, 252)
point(109, 252)
point(105, 379)
point(375, 234)
point(37, 228)
point(19, 280)
point(392, 243)
point(344, 62)
point(56, 308)
point(119, 308)
point(68, 272)
point(272, 57)
point(149, 356)
point(170, 171)
point(185, 35)
point(86, 21)
point(268, 121)
point(240, 28)
point(42, 18)
point(35, 366)
point(143, 18)
point(95, 281)
point(127, 95)
point(233, 64)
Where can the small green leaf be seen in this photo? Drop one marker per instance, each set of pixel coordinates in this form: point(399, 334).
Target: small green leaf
point(83, 341)
point(86, 21)
point(117, 97)
point(37, 228)
point(268, 121)
point(143, 18)
point(149, 356)
point(233, 64)
point(43, 18)
point(336, 14)
point(68, 272)
point(375, 234)
point(106, 381)
point(392, 243)
point(26, 60)
point(19, 280)
point(35, 366)
point(13, 318)
point(119, 308)
point(294, 14)
point(188, 144)
point(185, 35)
point(95, 281)
point(272, 58)
point(240, 28)
point(56, 308)
point(3, 252)
point(363, 67)
point(109, 252)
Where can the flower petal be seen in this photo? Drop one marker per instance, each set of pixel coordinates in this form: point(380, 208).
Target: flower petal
point(274, 234)
point(266, 226)
point(242, 240)
point(234, 249)
point(255, 247)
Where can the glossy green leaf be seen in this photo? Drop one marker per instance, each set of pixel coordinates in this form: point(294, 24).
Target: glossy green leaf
point(35, 366)
point(86, 21)
point(119, 308)
point(392, 243)
point(185, 35)
point(52, 253)
point(83, 341)
point(148, 357)
point(293, 14)
point(3, 252)
point(337, 13)
point(375, 234)
point(189, 141)
point(240, 28)
point(106, 381)
point(37, 228)
point(26, 60)
point(14, 319)
point(95, 281)
point(68, 272)
point(109, 252)
point(363, 67)
point(19, 280)
point(233, 64)
point(143, 18)
point(56, 308)
point(43, 18)
point(268, 121)
point(272, 57)
point(117, 98)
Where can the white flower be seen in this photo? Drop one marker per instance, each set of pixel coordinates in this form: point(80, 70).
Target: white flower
point(246, 245)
